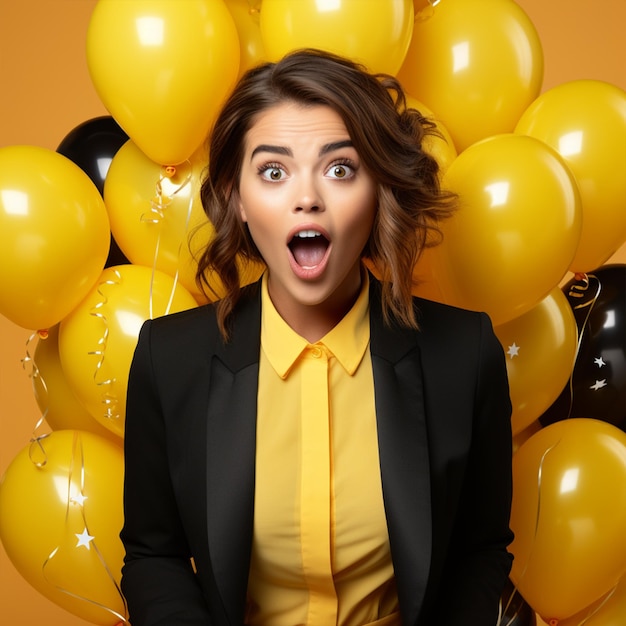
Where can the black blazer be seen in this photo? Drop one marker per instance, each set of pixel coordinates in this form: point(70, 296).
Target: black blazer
point(443, 416)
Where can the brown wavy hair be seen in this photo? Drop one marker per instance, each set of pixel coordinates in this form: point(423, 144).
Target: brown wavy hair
point(386, 134)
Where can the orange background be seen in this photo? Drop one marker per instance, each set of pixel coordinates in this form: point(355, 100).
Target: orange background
point(45, 91)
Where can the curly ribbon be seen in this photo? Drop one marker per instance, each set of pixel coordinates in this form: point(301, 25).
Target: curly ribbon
point(109, 397)
point(36, 446)
point(158, 206)
point(77, 501)
point(580, 291)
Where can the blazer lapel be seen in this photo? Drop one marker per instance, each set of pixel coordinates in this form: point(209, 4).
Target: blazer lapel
point(403, 450)
point(231, 443)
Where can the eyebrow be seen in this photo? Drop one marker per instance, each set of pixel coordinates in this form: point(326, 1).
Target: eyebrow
point(273, 149)
point(325, 149)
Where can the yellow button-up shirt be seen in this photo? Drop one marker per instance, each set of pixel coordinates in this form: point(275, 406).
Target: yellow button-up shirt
point(321, 548)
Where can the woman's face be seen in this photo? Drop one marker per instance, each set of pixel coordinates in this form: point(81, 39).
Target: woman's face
point(309, 204)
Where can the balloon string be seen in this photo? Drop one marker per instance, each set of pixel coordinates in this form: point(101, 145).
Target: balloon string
point(502, 611)
point(158, 206)
point(78, 500)
point(579, 291)
point(537, 518)
point(109, 397)
point(187, 222)
point(36, 447)
point(606, 598)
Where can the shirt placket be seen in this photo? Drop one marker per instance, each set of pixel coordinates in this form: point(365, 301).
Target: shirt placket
point(316, 489)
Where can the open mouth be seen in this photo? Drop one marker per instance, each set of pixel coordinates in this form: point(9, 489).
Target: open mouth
point(308, 248)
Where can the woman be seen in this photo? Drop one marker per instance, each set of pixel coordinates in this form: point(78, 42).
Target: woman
point(320, 447)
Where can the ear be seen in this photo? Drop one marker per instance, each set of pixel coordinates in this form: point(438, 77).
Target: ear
point(242, 210)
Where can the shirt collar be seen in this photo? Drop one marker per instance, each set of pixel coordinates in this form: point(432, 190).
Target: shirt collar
point(347, 341)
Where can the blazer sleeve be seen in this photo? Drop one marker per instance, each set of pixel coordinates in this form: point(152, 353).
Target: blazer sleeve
point(158, 580)
point(478, 562)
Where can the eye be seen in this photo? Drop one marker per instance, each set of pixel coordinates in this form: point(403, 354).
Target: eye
point(342, 169)
point(272, 172)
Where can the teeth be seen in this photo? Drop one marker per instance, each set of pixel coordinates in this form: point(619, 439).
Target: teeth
point(304, 234)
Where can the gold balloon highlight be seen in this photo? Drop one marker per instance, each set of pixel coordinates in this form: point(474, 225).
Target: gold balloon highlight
point(54, 236)
point(162, 69)
point(477, 63)
point(60, 522)
point(375, 33)
point(540, 348)
point(585, 122)
point(517, 228)
point(568, 516)
point(97, 340)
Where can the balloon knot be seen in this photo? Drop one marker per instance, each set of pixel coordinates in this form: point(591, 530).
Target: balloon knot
point(43, 333)
point(553, 622)
point(169, 171)
point(580, 276)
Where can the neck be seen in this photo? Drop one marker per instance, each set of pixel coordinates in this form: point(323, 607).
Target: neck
point(316, 320)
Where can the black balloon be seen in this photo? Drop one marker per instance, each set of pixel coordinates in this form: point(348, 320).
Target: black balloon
point(514, 610)
point(597, 386)
point(92, 146)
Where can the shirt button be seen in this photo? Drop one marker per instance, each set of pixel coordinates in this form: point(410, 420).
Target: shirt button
point(316, 352)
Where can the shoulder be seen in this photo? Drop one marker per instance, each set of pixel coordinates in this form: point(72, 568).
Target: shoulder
point(195, 329)
point(444, 326)
point(433, 314)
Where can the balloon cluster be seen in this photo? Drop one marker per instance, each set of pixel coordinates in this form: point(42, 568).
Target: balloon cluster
point(96, 238)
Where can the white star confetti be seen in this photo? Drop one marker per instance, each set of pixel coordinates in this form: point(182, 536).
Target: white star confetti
point(513, 350)
point(79, 499)
point(84, 539)
point(598, 384)
point(599, 361)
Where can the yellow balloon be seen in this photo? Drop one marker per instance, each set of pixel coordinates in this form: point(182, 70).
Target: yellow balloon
point(246, 14)
point(540, 348)
point(60, 522)
point(152, 215)
point(522, 437)
point(56, 400)
point(157, 219)
point(608, 611)
point(163, 69)
point(568, 515)
point(516, 230)
point(585, 121)
point(477, 63)
point(97, 340)
point(375, 33)
point(440, 146)
point(425, 283)
point(54, 236)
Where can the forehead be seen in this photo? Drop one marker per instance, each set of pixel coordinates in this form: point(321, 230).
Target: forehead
point(288, 123)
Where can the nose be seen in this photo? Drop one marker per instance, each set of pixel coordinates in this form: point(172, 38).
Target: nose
point(308, 197)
